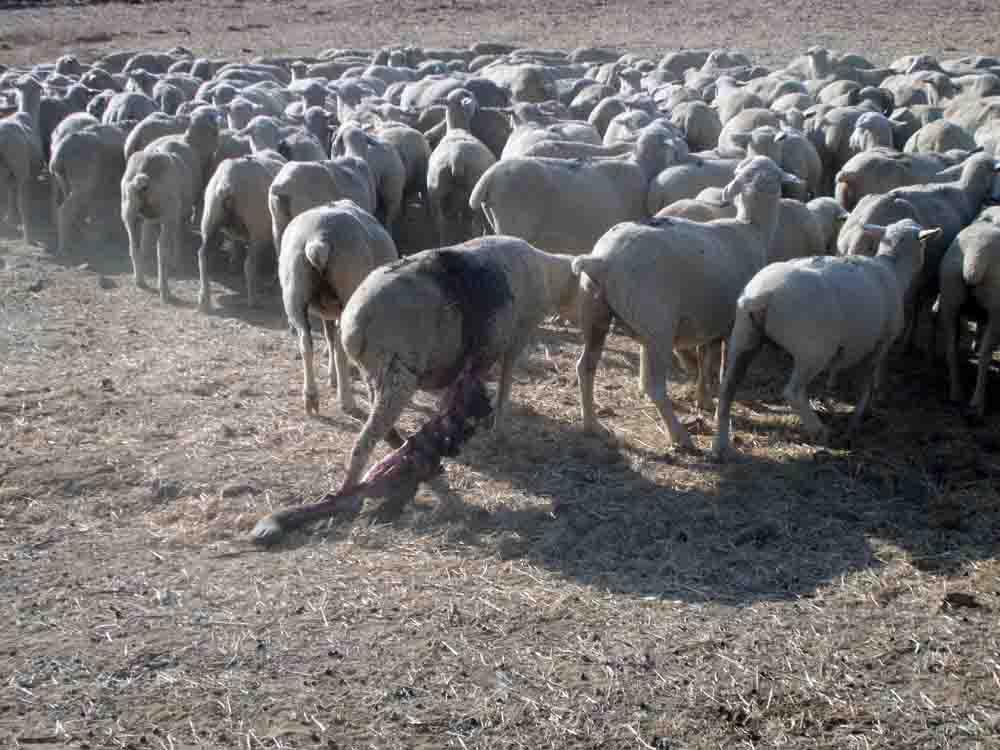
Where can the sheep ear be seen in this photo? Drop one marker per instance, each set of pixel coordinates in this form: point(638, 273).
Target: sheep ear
point(929, 234)
point(874, 230)
point(780, 136)
point(846, 177)
point(790, 180)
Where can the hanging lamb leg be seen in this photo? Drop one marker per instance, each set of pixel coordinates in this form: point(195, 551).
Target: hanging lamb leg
point(397, 476)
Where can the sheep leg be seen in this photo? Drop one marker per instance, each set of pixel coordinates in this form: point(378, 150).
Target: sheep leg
point(987, 343)
point(394, 387)
point(871, 366)
point(339, 367)
point(211, 242)
point(24, 208)
point(394, 437)
point(595, 322)
point(310, 394)
point(656, 391)
point(251, 262)
point(507, 361)
point(135, 227)
point(746, 342)
point(397, 476)
point(68, 215)
point(796, 394)
point(168, 240)
point(948, 322)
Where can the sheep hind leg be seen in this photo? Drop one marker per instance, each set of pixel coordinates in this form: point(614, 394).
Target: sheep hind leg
point(796, 394)
point(987, 343)
point(595, 322)
point(872, 365)
point(339, 368)
point(135, 228)
point(68, 218)
point(210, 243)
point(24, 208)
point(659, 365)
point(746, 342)
point(310, 393)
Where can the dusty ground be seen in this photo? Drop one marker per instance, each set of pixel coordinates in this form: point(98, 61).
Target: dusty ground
point(840, 598)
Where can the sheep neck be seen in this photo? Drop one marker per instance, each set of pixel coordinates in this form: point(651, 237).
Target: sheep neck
point(904, 267)
point(30, 102)
point(760, 210)
point(456, 119)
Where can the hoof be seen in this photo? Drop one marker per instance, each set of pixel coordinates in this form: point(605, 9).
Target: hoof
point(267, 531)
point(687, 449)
point(312, 403)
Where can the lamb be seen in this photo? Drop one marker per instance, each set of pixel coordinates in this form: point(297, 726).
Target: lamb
point(826, 312)
point(970, 273)
point(236, 205)
point(455, 167)
point(565, 206)
point(674, 283)
point(87, 166)
point(326, 252)
point(418, 323)
point(302, 185)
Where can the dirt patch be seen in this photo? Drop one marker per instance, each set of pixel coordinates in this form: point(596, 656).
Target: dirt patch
point(578, 593)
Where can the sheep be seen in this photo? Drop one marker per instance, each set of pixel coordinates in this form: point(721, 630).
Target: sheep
point(413, 150)
point(21, 159)
point(326, 252)
point(939, 136)
point(418, 323)
point(970, 273)
point(834, 313)
point(674, 283)
point(455, 167)
point(881, 170)
point(949, 206)
point(736, 132)
point(700, 124)
point(302, 185)
point(871, 130)
point(151, 127)
point(127, 106)
point(387, 168)
point(535, 124)
point(803, 229)
point(159, 190)
point(236, 204)
point(561, 205)
point(793, 152)
point(681, 181)
point(87, 165)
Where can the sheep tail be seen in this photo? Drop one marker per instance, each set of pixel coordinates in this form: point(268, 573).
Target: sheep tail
point(591, 266)
point(139, 184)
point(480, 193)
point(755, 307)
point(974, 267)
point(317, 252)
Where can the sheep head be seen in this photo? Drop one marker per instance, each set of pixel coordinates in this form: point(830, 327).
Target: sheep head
point(757, 174)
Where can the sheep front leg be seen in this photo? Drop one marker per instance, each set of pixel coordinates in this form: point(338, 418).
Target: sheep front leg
point(872, 366)
point(595, 322)
point(393, 389)
point(987, 343)
point(507, 361)
point(339, 367)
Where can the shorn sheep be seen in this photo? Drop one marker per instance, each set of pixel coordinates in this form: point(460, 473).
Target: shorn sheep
point(436, 320)
point(829, 313)
point(970, 278)
point(674, 283)
point(326, 252)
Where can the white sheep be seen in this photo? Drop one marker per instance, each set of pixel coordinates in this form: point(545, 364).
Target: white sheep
point(386, 164)
point(455, 166)
point(326, 252)
point(674, 283)
point(236, 205)
point(828, 313)
point(302, 185)
point(21, 158)
point(565, 205)
point(418, 323)
point(970, 273)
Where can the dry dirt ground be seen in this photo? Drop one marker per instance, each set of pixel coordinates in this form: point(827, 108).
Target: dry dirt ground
point(844, 597)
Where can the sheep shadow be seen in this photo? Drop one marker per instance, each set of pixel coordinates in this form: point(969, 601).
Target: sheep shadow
point(769, 528)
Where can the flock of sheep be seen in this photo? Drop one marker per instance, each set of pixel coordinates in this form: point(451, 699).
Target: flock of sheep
point(705, 203)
